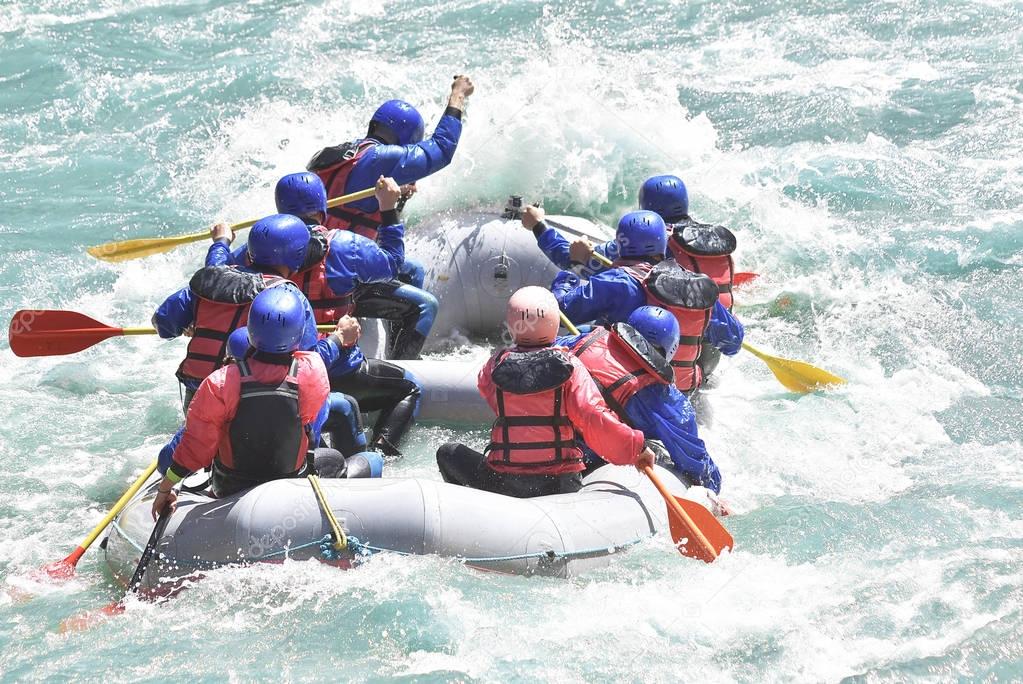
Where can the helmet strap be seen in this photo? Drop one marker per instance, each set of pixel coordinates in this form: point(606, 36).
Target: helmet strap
point(384, 134)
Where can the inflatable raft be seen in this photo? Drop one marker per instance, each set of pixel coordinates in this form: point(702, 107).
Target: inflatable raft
point(559, 536)
point(475, 261)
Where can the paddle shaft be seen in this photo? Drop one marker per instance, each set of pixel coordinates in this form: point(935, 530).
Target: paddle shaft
point(124, 250)
point(149, 551)
point(57, 333)
point(755, 352)
point(115, 332)
point(331, 203)
point(568, 324)
point(114, 510)
point(669, 499)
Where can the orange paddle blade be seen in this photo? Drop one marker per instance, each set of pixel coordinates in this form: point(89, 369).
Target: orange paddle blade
point(695, 531)
point(743, 278)
point(713, 531)
point(54, 333)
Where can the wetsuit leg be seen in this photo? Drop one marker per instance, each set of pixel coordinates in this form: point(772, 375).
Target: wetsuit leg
point(365, 464)
point(344, 424)
point(385, 387)
point(708, 359)
point(410, 309)
point(186, 397)
point(330, 463)
point(461, 465)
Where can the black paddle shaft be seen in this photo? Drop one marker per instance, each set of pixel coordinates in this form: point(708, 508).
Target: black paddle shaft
point(149, 551)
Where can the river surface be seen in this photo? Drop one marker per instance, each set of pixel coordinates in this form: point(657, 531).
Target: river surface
point(869, 157)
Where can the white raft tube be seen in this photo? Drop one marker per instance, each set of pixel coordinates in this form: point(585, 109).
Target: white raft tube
point(561, 535)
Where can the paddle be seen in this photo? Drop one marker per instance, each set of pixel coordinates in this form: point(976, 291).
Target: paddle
point(57, 333)
point(126, 250)
point(65, 569)
point(83, 621)
point(694, 529)
point(743, 278)
point(796, 376)
point(687, 520)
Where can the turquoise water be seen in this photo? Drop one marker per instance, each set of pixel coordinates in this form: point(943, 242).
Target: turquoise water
point(869, 157)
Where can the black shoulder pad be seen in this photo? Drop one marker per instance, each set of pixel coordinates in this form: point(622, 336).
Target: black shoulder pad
point(703, 239)
point(226, 284)
point(677, 286)
point(644, 352)
point(533, 371)
point(329, 156)
point(315, 250)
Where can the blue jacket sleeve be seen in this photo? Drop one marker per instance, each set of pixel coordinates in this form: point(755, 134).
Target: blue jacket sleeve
point(391, 239)
point(355, 260)
point(406, 164)
point(166, 457)
point(663, 413)
point(567, 340)
point(611, 296)
point(239, 256)
point(725, 331)
point(555, 247)
point(310, 336)
point(175, 314)
point(219, 254)
point(316, 427)
point(339, 360)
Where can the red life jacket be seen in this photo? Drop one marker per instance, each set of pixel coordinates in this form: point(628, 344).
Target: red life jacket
point(621, 362)
point(223, 295)
point(690, 298)
point(328, 306)
point(266, 439)
point(334, 175)
point(707, 249)
point(532, 433)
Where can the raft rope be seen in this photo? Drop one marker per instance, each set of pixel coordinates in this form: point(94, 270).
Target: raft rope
point(340, 538)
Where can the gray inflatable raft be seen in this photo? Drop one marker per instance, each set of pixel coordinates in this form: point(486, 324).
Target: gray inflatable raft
point(474, 261)
point(558, 536)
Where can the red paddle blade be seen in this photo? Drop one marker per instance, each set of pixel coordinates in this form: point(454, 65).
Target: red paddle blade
point(743, 278)
point(54, 333)
point(89, 619)
point(685, 538)
point(62, 569)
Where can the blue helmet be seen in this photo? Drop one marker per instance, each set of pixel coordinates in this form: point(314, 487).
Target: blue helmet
point(238, 343)
point(300, 194)
point(277, 320)
point(641, 234)
point(400, 120)
point(279, 240)
point(658, 327)
point(665, 195)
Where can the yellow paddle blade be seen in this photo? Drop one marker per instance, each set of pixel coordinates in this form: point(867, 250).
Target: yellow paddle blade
point(796, 376)
point(125, 250)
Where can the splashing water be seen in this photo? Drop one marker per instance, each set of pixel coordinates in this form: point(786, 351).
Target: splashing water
point(867, 156)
